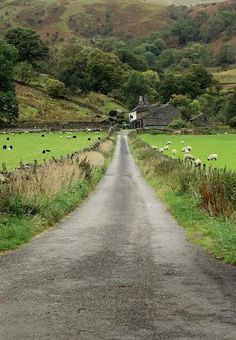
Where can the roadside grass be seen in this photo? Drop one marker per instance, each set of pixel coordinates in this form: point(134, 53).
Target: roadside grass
point(28, 147)
point(214, 234)
point(25, 214)
point(202, 146)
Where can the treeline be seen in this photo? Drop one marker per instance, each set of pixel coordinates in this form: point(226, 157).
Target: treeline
point(126, 68)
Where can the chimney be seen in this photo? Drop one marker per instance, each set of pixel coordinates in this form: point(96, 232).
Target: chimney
point(140, 101)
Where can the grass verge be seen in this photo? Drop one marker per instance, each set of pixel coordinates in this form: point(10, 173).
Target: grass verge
point(27, 215)
point(216, 235)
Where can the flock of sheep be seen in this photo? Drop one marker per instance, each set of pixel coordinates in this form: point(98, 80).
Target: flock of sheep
point(187, 153)
point(69, 136)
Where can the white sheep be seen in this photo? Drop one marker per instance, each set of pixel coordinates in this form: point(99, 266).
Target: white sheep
point(189, 148)
point(182, 142)
point(161, 150)
point(198, 162)
point(166, 147)
point(186, 151)
point(188, 157)
point(168, 143)
point(174, 152)
point(154, 147)
point(212, 157)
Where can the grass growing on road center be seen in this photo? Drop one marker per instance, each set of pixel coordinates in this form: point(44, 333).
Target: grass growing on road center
point(216, 234)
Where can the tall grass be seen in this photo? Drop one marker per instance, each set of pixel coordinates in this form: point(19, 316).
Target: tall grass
point(35, 197)
point(203, 200)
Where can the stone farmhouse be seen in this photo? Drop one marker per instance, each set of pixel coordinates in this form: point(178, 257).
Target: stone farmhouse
point(147, 115)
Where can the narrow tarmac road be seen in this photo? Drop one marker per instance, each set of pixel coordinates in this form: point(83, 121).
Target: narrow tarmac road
point(119, 267)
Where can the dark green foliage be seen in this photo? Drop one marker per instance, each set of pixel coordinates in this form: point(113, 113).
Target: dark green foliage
point(28, 43)
point(8, 100)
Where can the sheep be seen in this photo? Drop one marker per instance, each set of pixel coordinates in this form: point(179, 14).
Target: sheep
point(99, 138)
point(154, 147)
point(89, 138)
point(168, 143)
point(44, 151)
point(198, 162)
point(11, 147)
point(212, 157)
point(189, 157)
point(74, 137)
point(8, 138)
point(161, 150)
point(4, 147)
point(47, 150)
point(186, 151)
point(182, 142)
point(174, 152)
point(42, 135)
point(166, 147)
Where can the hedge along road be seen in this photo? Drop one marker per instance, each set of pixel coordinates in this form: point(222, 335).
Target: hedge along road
point(117, 268)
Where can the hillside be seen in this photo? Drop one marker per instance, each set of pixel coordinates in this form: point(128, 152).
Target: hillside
point(36, 106)
point(60, 20)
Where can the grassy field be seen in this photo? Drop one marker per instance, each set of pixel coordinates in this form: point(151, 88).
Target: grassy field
point(202, 146)
point(28, 147)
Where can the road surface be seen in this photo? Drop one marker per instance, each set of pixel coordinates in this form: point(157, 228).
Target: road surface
point(119, 267)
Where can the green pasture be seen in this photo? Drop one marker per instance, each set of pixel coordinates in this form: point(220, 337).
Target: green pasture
point(29, 146)
point(224, 145)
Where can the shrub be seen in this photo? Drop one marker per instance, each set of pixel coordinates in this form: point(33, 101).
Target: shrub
point(55, 88)
point(178, 123)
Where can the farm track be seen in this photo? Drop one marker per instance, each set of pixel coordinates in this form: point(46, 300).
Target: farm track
point(117, 268)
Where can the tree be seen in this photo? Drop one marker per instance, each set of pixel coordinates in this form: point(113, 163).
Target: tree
point(28, 43)
point(23, 72)
point(104, 70)
point(185, 30)
point(55, 88)
point(230, 107)
point(134, 61)
point(137, 85)
point(8, 100)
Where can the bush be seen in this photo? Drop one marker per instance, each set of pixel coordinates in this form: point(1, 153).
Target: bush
point(232, 122)
point(178, 124)
point(55, 88)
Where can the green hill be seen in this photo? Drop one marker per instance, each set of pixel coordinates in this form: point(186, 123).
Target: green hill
point(36, 106)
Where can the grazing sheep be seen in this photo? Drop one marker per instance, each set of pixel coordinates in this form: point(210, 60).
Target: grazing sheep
point(8, 138)
point(44, 151)
point(182, 142)
point(69, 137)
point(4, 147)
point(174, 152)
point(74, 137)
point(166, 147)
point(189, 148)
point(42, 135)
point(48, 150)
point(188, 157)
point(89, 138)
point(198, 162)
point(212, 157)
point(154, 147)
point(186, 151)
point(99, 138)
point(11, 147)
point(161, 150)
point(168, 143)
